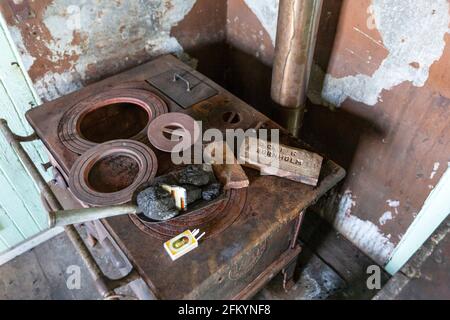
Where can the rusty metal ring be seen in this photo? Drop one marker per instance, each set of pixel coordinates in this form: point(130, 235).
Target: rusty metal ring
point(138, 152)
point(69, 126)
point(168, 124)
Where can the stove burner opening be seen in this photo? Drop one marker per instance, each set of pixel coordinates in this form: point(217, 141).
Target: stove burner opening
point(113, 121)
point(113, 173)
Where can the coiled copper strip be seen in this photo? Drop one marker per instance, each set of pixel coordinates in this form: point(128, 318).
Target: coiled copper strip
point(69, 125)
point(213, 220)
point(79, 174)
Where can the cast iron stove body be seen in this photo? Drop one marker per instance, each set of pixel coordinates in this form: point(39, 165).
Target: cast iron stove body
point(251, 232)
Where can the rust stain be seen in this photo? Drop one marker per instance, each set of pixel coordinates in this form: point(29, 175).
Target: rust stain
point(35, 36)
point(110, 65)
point(439, 76)
point(168, 5)
point(415, 65)
point(363, 50)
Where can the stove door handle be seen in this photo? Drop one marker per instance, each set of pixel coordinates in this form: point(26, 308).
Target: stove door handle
point(177, 77)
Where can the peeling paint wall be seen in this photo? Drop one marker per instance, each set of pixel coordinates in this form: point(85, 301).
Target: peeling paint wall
point(251, 27)
point(412, 33)
point(66, 44)
point(267, 13)
point(366, 234)
point(385, 63)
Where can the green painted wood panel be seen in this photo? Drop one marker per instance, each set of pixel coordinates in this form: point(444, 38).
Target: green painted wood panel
point(21, 213)
point(18, 203)
point(9, 234)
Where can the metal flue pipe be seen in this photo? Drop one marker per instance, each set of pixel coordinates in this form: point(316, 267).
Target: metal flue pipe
point(298, 23)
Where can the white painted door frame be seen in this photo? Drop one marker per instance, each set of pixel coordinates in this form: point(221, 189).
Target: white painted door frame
point(434, 212)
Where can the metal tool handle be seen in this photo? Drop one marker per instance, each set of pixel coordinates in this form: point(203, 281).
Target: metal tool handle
point(77, 216)
point(177, 77)
point(105, 285)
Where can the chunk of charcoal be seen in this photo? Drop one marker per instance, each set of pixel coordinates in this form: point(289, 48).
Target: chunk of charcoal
point(193, 174)
point(166, 179)
point(193, 193)
point(157, 204)
point(211, 191)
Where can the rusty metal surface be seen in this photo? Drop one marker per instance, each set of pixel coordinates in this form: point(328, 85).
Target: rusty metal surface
point(271, 271)
point(183, 87)
point(45, 119)
point(109, 173)
point(266, 214)
point(242, 268)
point(259, 217)
point(230, 116)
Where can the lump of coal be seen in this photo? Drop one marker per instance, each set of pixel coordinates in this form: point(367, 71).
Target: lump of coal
point(157, 204)
point(194, 175)
point(211, 191)
point(193, 193)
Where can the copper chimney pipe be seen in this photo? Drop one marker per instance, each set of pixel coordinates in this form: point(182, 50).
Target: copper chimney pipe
point(298, 23)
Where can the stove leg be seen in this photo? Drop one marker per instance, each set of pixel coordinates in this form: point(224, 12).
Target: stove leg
point(289, 270)
point(288, 275)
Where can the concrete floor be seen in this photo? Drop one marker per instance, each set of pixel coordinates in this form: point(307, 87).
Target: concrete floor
point(329, 268)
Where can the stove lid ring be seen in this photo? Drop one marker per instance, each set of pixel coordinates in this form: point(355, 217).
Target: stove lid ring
point(162, 129)
point(109, 173)
point(70, 128)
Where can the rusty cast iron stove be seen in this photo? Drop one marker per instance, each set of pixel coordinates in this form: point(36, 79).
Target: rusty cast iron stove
point(251, 233)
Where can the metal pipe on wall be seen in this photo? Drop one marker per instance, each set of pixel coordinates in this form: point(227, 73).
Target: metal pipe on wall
point(298, 23)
